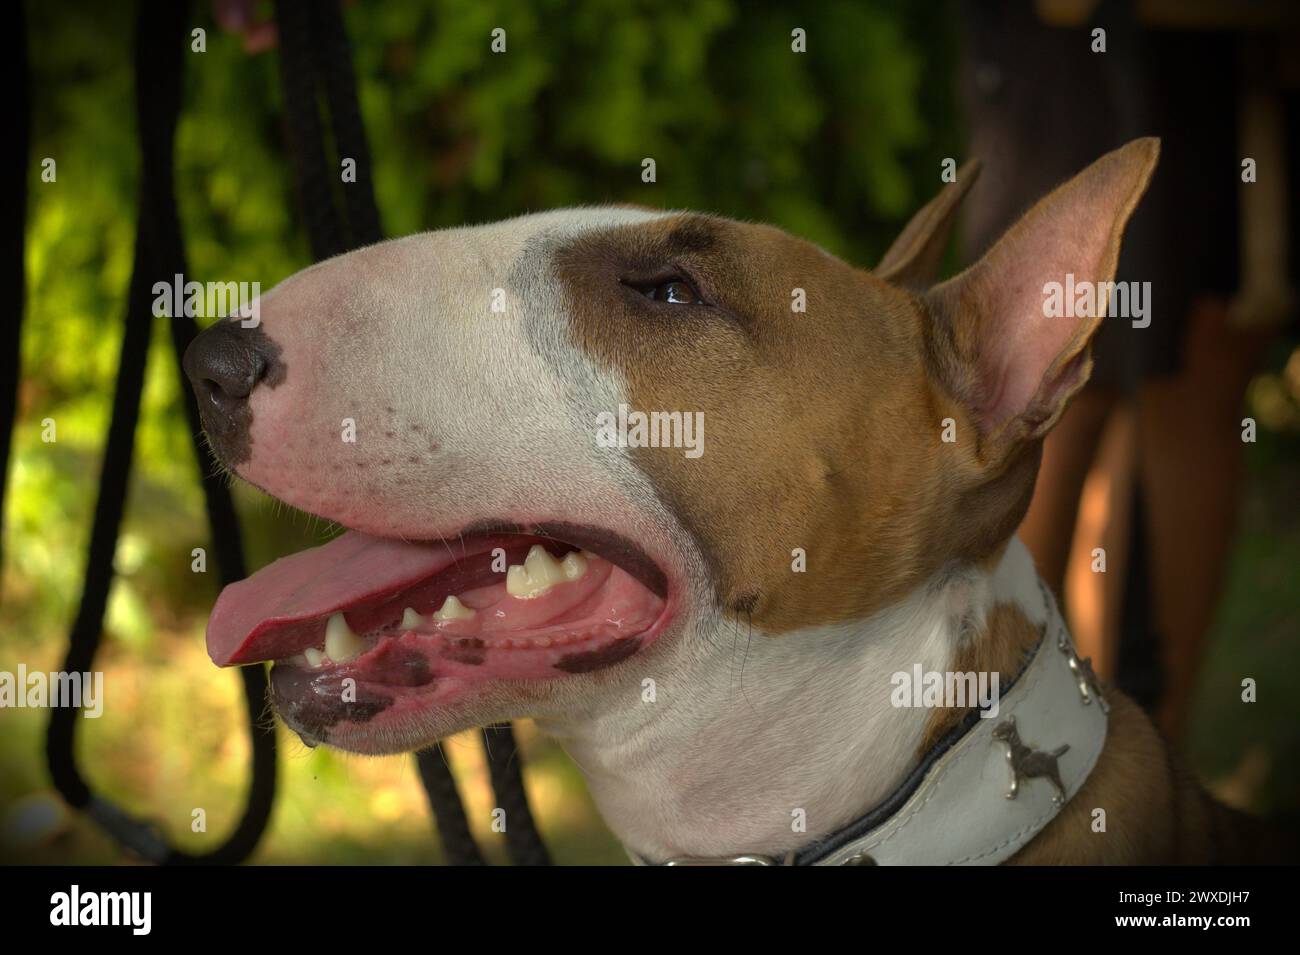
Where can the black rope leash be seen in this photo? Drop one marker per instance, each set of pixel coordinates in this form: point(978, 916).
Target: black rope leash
point(334, 64)
point(13, 237)
point(458, 845)
point(314, 48)
point(159, 65)
point(523, 841)
point(304, 135)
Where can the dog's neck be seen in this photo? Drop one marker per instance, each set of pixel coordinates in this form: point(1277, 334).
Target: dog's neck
point(761, 744)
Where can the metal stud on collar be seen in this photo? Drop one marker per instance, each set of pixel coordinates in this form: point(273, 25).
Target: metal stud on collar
point(860, 858)
point(1089, 685)
point(1084, 676)
point(723, 860)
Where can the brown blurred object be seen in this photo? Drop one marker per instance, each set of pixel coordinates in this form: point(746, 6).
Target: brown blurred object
point(1163, 412)
point(1105, 508)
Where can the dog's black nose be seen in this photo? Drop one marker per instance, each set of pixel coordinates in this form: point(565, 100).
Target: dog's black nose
point(225, 363)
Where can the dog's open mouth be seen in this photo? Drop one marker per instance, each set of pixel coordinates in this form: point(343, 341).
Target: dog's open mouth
point(502, 603)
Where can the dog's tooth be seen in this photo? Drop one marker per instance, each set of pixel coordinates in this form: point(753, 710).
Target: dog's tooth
point(574, 566)
point(542, 567)
point(540, 572)
point(313, 656)
point(518, 583)
point(411, 620)
point(453, 609)
point(341, 644)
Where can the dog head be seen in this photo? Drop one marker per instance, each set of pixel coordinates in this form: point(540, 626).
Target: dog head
point(608, 433)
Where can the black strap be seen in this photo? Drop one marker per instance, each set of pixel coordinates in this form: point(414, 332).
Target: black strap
point(161, 31)
point(523, 840)
point(458, 845)
point(13, 285)
point(334, 64)
point(316, 66)
point(303, 133)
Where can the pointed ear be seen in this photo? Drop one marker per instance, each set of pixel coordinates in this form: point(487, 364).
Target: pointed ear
point(913, 260)
point(992, 345)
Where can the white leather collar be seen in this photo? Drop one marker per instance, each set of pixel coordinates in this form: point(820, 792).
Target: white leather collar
point(957, 807)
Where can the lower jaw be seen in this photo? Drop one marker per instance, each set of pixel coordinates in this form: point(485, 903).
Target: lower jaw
point(412, 682)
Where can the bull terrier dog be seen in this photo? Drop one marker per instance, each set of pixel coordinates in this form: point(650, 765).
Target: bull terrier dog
point(690, 492)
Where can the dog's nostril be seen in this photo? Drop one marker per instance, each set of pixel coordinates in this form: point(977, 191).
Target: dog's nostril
point(225, 363)
point(233, 383)
point(224, 395)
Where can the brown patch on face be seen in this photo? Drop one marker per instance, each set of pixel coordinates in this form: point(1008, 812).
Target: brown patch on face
point(990, 509)
point(1008, 635)
point(822, 429)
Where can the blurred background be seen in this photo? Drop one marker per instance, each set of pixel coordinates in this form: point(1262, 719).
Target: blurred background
point(839, 145)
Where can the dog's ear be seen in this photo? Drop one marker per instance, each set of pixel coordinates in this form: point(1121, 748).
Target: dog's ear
point(992, 346)
point(913, 260)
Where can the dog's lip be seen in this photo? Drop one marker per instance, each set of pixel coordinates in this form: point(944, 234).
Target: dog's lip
point(279, 610)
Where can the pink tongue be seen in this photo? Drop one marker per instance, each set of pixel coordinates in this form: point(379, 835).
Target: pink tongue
point(276, 612)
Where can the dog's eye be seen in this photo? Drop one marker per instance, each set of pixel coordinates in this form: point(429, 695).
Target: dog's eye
point(675, 292)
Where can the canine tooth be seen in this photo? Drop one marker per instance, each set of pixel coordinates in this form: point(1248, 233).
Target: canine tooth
point(453, 609)
point(313, 656)
point(411, 619)
point(574, 566)
point(341, 644)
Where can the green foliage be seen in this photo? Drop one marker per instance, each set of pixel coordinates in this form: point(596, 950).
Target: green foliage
point(830, 144)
